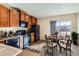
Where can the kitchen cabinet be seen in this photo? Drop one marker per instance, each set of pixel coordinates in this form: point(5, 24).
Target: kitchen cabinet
point(30, 22)
point(34, 21)
point(14, 19)
point(2, 41)
point(32, 37)
point(27, 18)
point(4, 16)
point(23, 16)
point(10, 17)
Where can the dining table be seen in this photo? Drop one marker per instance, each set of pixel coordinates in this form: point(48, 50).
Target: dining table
point(58, 39)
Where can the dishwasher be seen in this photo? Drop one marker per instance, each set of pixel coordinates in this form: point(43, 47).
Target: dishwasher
point(26, 40)
point(25, 37)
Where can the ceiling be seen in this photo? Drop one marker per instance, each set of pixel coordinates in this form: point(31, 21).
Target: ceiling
point(47, 9)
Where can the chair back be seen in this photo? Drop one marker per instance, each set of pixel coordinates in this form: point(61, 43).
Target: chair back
point(69, 42)
point(54, 37)
point(67, 37)
point(48, 40)
point(45, 38)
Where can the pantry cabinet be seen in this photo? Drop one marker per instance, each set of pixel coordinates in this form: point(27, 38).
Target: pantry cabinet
point(14, 19)
point(4, 16)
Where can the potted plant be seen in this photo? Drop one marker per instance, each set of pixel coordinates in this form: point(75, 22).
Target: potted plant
point(74, 37)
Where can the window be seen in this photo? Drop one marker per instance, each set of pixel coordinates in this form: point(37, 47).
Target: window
point(63, 26)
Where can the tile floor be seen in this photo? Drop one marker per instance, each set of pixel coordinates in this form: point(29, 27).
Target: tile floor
point(38, 50)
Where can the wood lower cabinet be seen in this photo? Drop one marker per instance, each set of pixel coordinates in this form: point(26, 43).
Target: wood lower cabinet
point(4, 17)
point(14, 19)
point(2, 41)
point(32, 37)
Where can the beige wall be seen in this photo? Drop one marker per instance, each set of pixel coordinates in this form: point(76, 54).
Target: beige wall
point(44, 27)
point(45, 23)
point(78, 22)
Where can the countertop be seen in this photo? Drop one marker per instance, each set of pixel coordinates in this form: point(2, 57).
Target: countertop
point(6, 50)
point(20, 40)
point(10, 37)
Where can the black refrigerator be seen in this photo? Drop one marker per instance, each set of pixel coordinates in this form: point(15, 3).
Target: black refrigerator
point(36, 29)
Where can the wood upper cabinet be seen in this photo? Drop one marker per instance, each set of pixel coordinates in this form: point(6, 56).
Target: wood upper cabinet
point(29, 22)
point(14, 19)
point(34, 20)
point(11, 17)
point(23, 16)
point(27, 18)
point(4, 16)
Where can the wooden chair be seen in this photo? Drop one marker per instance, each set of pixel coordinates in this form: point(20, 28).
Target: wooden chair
point(67, 37)
point(50, 44)
point(66, 46)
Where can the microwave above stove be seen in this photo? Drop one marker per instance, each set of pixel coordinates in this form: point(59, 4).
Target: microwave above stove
point(23, 24)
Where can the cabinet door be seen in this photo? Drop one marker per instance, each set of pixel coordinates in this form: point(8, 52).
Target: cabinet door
point(2, 41)
point(27, 18)
point(29, 22)
point(14, 19)
point(34, 20)
point(4, 17)
point(23, 16)
point(32, 38)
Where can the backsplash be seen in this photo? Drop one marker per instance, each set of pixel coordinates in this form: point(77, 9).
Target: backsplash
point(7, 29)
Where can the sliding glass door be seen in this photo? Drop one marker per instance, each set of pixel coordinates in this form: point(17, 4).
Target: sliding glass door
point(62, 27)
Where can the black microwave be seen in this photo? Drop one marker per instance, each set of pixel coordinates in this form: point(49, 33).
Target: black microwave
point(23, 24)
